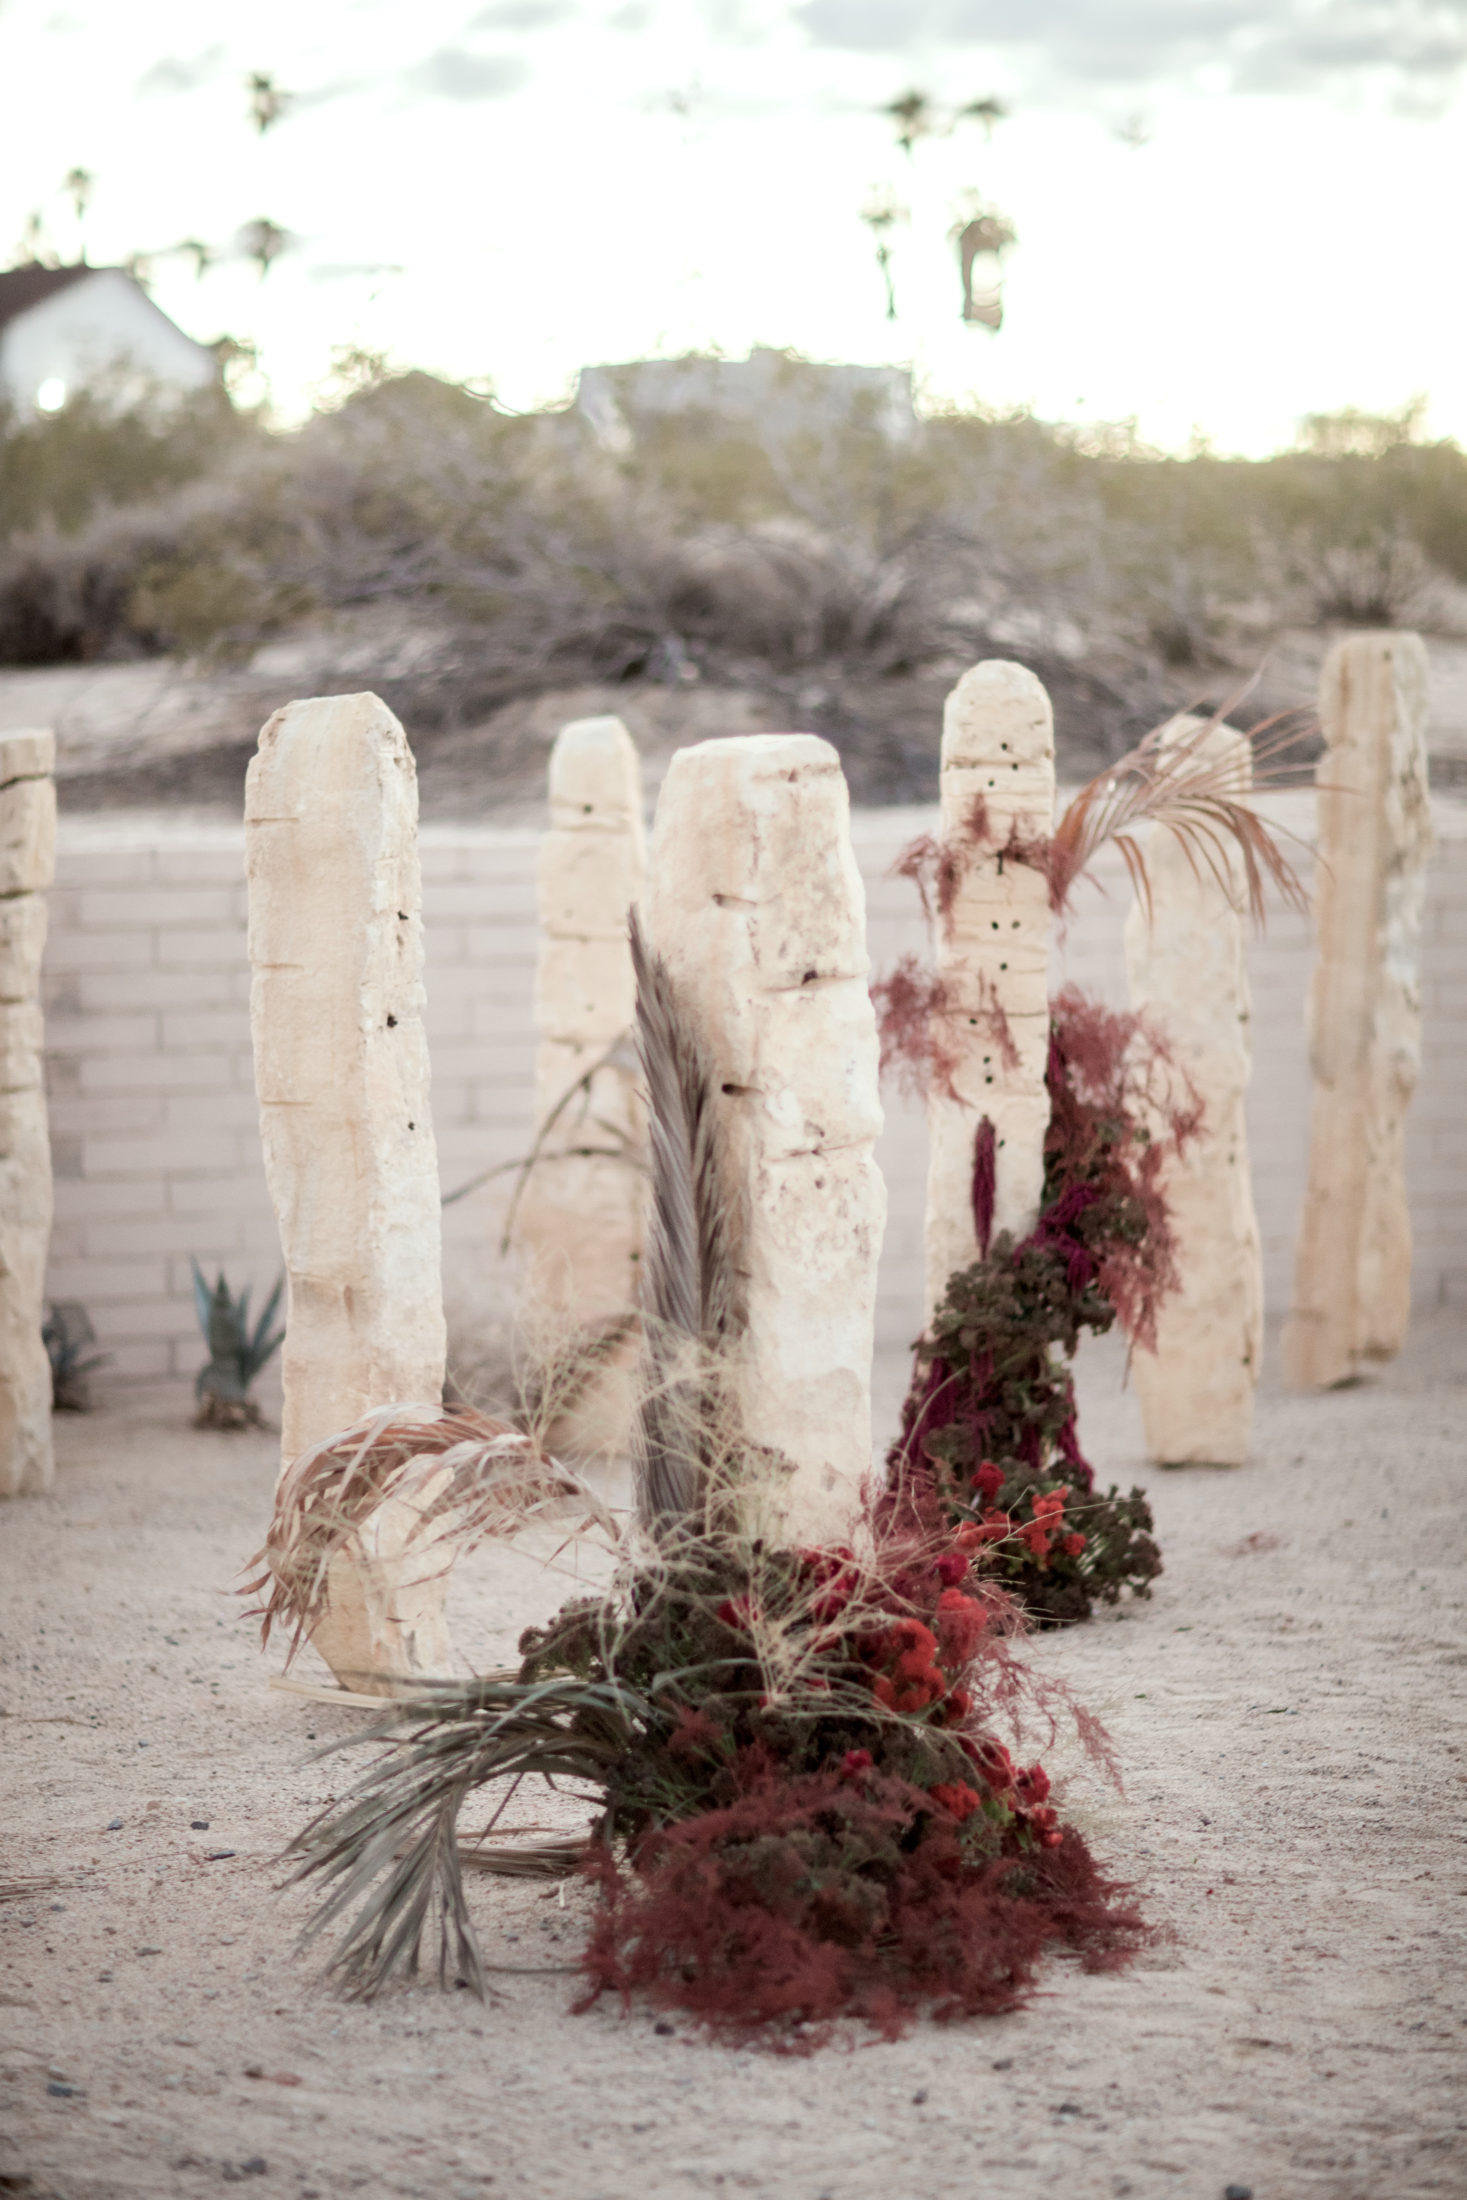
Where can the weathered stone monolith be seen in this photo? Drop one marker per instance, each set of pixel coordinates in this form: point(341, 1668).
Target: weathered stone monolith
point(1352, 1270)
point(580, 1216)
point(27, 859)
point(1186, 969)
point(341, 1069)
point(992, 953)
point(756, 906)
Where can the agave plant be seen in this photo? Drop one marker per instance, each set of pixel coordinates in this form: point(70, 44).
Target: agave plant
point(66, 1334)
point(236, 1352)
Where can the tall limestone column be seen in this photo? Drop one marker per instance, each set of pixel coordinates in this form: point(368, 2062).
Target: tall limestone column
point(341, 1068)
point(580, 1217)
point(1186, 970)
point(756, 907)
point(27, 860)
point(1352, 1267)
point(992, 960)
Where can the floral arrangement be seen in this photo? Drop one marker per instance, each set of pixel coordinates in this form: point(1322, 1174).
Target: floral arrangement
point(988, 1434)
point(806, 1768)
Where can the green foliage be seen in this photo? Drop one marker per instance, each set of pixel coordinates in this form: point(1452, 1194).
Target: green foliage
point(58, 469)
point(237, 1353)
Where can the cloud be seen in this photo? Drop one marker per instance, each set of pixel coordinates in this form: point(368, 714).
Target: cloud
point(178, 75)
point(522, 15)
point(1254, 45)
point(455, 73)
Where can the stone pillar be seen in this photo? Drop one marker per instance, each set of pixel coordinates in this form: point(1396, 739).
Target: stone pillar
point(1186, 971)
point(992, 959)
point(27, 859)
point(1352, 1268)
point(341, 1068)
point(580, 1216)
point(757, 908)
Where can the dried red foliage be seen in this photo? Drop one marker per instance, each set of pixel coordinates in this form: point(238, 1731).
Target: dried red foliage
point(913, 1021)
point(845, 1893)
point(988, 1428)
point(1121, 1107)
point(916, 1022)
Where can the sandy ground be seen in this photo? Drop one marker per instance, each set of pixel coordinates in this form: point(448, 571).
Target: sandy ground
point(1289, 1710)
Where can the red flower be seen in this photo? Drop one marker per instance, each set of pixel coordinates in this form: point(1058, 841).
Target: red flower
point(963, 1623)
point(1050, 1507)
point(1032, 1786)
point(988, 1481)
point(957, 1798)
point(856, 1761)
point(736, 1612)
point(951, 1568)
point(1046, 1824)
point(956, 1706)
point(1074, 1545)
point(1035, 1538)
point(991, 1759)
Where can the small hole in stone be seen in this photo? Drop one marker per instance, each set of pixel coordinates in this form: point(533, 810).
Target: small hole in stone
point(392, 1023)
point(402, 916)
point(412, 1126)
point(808, 978)
point(586, 806)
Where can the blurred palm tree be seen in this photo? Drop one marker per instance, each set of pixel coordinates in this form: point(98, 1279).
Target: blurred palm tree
point(263, 241)
point(881, 214)
point(267, 101)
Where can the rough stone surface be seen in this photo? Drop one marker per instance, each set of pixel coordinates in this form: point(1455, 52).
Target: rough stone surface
point(992, 958)
point(1185, 966)
point(27, 855)
point(1352, 1275)
point(341, 1067)
point(756, 905)
point(385, 1615)
point(580, 1217)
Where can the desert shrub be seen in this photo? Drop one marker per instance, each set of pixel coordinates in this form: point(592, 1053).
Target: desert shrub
point(528, 556)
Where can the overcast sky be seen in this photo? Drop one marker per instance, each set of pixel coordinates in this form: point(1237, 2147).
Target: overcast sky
point(1230, 212)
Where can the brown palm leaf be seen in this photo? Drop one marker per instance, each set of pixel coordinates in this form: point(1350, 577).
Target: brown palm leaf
point(487, 1478)
point(1205, 801)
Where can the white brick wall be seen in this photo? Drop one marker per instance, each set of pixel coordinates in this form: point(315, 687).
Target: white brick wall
point(152, 1098)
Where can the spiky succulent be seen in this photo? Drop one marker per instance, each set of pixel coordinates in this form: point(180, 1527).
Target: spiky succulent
point(237, 1352)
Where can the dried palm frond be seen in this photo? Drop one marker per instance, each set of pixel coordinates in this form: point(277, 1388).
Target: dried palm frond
point(1205, 801)
point(389, 1848)
point(478, 1477)
point(691, 1297)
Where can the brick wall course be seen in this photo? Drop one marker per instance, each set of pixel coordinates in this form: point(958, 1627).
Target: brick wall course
point(153, 1113)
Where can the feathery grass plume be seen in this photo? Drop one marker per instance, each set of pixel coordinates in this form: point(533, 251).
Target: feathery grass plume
point(691, 1308)
point(476, 1477)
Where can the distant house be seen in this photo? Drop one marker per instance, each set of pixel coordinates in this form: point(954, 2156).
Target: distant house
point(63, 329)
point(774, 392)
